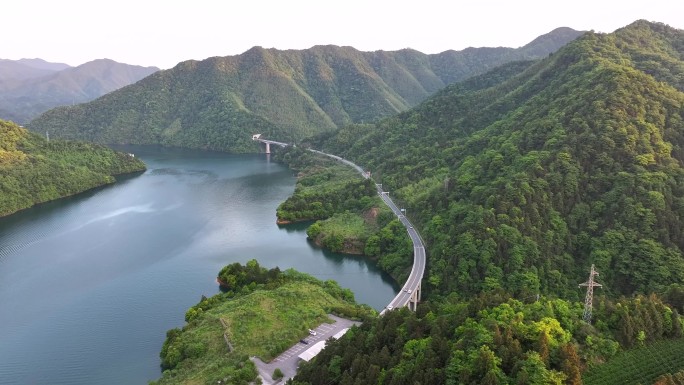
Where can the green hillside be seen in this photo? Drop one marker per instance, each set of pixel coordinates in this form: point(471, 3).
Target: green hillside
point(492, 339)
point(523, 185)
point(350, 217)
point(261, 313)
point(218, 103)
point(518, 185)
point(33, 170)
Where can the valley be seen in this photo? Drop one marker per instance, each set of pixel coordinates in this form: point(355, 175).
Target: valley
point(523, 169)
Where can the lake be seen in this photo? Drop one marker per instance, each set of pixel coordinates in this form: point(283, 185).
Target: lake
point(90, 284)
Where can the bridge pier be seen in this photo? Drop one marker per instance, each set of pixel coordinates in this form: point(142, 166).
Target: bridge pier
point(268, 143)
point(415, 298)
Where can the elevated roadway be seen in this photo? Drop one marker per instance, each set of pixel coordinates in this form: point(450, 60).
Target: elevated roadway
point(409, 295)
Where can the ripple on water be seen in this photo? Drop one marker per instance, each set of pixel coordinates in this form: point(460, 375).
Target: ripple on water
point(69, 220)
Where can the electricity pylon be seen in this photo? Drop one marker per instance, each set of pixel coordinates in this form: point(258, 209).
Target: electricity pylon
point(589, 299)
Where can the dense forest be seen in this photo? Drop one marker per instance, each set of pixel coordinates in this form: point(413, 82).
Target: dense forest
point(34, 170)
point(519, 180)
point(218, 103)
point(349, 216)
point(494, 339)
point(522, 185)
point(324, 187)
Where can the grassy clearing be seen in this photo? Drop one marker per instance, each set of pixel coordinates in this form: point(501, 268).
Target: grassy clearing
point(265, 323)
point(639, 366)
point(258, 322)
point(346, 233)
point(349, 225)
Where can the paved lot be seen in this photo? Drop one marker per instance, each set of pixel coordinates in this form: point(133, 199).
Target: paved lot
point(288, 361)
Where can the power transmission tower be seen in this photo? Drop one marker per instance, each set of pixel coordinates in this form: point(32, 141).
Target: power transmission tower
point(589, 299)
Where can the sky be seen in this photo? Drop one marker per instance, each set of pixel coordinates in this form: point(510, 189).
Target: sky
point(163, 33)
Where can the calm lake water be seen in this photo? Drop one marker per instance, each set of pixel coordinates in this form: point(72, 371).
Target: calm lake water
point(89, 285)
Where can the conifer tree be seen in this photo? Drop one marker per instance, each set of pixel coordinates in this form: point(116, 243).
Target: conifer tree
point(626, 329)
point(570, 364)
point(543, 347)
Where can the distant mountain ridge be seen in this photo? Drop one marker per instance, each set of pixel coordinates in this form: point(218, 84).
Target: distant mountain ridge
point(14, 72)
point(44, 64)
point(29, 87)
point(219, 102)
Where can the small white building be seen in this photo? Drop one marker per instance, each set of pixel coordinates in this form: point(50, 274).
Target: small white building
point(340, 333)
point(313, 351)
point(256, 136)
point(316, 348)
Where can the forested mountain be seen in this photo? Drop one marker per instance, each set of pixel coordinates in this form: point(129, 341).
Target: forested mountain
point(518, 185)
point(31, 87)
point(33, 170)
point(522, 185)
point(220, 102)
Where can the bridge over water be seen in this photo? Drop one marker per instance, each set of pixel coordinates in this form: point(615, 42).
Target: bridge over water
point(411, 291)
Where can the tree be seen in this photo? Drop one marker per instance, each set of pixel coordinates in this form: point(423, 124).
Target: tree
point(570, 364)
point(626, 329)
point(641, 338)
point(486, 368)
point(277, 374)
point(533, 372)
point(674, 295)
point(543, 347)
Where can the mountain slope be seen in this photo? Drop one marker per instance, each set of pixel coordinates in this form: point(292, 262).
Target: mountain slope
point(519, 185)
point(219, 102)
point(33, 170)
point(523, 185)
point(27, 97)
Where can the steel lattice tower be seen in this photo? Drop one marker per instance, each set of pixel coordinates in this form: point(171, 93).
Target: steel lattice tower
point(589, 299)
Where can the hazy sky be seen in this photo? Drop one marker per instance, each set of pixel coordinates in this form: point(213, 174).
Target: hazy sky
point(163, 33)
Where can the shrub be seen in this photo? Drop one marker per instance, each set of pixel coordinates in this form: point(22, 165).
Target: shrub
point(277, 374)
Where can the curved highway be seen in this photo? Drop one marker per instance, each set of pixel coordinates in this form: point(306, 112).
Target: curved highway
point(412, 286)
point(410, 292)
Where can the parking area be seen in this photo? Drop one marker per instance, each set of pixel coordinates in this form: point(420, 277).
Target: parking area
point(288, 361)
